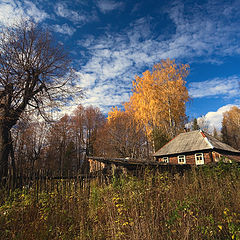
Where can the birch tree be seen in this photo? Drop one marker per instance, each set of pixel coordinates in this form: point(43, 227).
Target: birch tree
point(159, 98)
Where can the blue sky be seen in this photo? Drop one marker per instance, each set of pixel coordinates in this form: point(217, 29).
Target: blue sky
point(112, 41)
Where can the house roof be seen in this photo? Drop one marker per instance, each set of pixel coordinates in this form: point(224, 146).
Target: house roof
point(191, 142)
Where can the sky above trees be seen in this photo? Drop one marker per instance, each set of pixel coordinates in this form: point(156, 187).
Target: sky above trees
point(112, 41)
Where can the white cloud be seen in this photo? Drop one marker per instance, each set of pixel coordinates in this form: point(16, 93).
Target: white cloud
point(205, 31)
point(107, 6)
point(120, 56)
point(228, 87)
point(34, 12)
point(105, 96)
point(214, 119)
point(77, 17)
point(86, 80)
point(62, 10)
point(64, 29)
point(12, 12)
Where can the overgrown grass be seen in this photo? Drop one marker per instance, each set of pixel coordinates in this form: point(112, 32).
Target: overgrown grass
point(200, 204)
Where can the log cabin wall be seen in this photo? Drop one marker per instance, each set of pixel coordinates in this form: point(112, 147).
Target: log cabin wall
point(190, 158)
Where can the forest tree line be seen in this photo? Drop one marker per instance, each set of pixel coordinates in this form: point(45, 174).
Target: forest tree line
point(65, 143)
point(35, 78)
point(145, 123)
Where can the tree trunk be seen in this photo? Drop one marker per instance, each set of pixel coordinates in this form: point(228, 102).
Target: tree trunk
point(5, 147)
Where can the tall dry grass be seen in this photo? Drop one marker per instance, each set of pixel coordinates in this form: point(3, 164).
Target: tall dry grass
point(200, 204)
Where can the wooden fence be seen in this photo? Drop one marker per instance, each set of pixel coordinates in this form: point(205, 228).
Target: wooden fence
point(71, 180)
point(49, 181)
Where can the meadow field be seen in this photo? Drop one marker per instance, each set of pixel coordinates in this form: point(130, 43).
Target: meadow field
point(202, 203)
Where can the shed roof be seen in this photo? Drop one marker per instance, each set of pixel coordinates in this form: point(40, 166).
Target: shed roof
point(191, 142)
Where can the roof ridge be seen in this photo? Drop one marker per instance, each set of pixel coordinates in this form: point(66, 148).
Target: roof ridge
point(206, 139)
point(217, 144)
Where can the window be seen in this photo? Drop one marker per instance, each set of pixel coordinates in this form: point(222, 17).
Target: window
point(199, 158)
point(181, 159)
point(165, 160)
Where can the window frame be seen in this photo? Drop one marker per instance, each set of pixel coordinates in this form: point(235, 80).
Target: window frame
point(165, 160)
point(184, 159)
point(196, 160)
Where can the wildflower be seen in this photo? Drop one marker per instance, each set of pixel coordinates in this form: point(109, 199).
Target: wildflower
point(220, 227)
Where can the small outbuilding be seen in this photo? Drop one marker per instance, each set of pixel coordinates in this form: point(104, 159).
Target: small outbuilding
point(195, 148)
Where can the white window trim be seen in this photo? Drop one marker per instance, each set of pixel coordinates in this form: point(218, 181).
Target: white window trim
point(184, 158)
point(165, 160)
point(202, 156)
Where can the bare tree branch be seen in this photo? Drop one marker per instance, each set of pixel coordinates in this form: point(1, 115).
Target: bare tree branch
point(34, 73)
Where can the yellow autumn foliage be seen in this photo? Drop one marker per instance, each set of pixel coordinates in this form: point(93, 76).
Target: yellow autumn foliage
point(114, 114)
point(159, 97)
point(231, 127)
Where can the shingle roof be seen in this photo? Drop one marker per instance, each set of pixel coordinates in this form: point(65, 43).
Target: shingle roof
point(193, 141)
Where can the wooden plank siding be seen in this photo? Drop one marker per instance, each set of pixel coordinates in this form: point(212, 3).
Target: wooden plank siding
point(190, 158)
point(209, 157)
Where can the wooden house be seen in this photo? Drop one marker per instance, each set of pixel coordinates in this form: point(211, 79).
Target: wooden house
point(195, 148)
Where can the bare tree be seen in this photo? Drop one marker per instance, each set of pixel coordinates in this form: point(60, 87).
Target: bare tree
point(34, 72)
point(204, 124)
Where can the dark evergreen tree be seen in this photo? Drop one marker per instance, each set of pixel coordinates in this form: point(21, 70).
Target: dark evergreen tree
point(195, 125)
